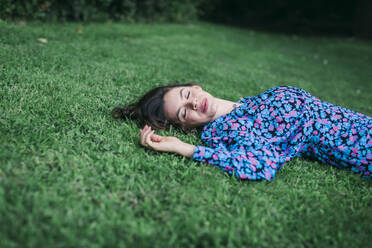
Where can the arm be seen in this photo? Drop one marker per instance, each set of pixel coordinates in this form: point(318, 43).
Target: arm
point(251, 165)
point(186, 150)
point(165, 143)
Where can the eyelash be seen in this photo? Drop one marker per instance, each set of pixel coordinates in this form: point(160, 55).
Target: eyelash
point(188, 95)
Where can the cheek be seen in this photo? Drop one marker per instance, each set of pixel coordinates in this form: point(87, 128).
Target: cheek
point(193, 117)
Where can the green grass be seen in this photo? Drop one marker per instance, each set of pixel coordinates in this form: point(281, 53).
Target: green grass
point(72, 176)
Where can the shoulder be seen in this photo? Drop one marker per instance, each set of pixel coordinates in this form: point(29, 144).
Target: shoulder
point(287, 89)
point(270, 92)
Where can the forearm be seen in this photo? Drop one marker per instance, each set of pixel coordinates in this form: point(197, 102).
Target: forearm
point(165, 143)
point(251, 164)
point(185, 149)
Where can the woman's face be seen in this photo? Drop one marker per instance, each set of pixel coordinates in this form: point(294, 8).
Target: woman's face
point(189, 106)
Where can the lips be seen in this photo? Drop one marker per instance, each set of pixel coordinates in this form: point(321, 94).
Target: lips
point(204, 105)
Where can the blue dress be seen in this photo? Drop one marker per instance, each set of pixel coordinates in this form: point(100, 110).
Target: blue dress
point(255, 140)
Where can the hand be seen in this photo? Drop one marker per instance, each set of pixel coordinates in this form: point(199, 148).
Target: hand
point(157, 142)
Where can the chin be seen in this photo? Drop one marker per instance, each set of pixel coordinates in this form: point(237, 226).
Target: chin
point(212, 109)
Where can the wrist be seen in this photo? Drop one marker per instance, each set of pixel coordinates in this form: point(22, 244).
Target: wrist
point(185, 149)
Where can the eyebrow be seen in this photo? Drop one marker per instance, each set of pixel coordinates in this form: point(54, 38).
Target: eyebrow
point(178, 111)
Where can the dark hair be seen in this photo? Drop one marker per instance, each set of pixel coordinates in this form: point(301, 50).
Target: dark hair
point(149, 109)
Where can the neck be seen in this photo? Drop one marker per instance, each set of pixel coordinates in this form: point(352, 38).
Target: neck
point(224, 107)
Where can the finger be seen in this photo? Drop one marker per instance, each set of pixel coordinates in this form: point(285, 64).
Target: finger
point(142, 139)
point(145, 138)
point(148, 138)
point(155, 138)
point(143, 129)
point(145, 135)
point(147, 128)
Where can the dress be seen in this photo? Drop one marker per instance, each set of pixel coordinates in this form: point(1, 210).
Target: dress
point(255, 139)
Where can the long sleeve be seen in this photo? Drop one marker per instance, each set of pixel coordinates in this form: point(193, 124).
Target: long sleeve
point(244, 164)
point(255, 139)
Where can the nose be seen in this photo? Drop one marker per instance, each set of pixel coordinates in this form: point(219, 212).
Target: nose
point(193, 103)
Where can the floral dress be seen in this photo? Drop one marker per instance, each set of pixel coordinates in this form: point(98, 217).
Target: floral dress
point(255, 140)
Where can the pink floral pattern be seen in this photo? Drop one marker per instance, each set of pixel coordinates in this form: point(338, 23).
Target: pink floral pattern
point(255, 140)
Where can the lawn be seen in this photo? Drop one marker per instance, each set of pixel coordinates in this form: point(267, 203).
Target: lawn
point(71, 176)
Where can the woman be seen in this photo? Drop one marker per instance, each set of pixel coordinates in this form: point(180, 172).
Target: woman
point(254, 137)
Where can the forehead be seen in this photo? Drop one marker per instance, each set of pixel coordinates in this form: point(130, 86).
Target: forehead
point(172, 101)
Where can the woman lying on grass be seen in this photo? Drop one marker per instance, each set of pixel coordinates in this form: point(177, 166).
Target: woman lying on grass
point(254, 137)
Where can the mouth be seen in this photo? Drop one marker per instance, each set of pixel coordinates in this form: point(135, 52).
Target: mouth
point(204, 105)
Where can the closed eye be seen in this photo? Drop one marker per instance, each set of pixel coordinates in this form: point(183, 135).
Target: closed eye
point(188, 95)
point(184, 114)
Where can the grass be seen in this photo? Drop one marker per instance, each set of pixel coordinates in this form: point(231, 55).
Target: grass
point(71, 176)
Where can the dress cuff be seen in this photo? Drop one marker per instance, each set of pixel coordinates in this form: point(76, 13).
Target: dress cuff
point(199, 154)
